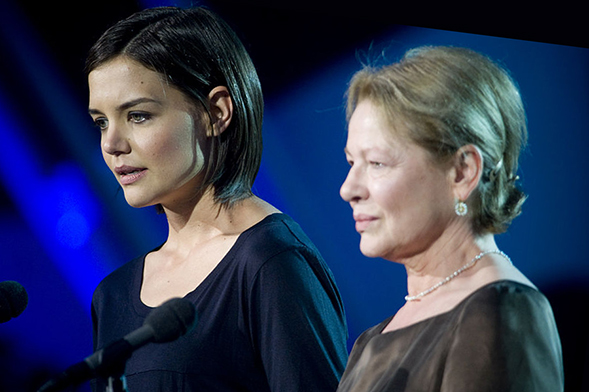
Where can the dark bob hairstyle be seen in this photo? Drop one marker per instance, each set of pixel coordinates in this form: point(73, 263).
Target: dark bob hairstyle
point(196, 51)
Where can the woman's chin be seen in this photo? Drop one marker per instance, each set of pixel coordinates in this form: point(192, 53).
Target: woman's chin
point(137, 203)
point(369, 250)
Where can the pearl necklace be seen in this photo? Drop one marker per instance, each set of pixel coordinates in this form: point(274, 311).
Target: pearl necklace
point(468, 265)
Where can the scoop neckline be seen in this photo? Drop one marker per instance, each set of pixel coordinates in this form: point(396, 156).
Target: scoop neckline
point(386, 322)
point(143, 309)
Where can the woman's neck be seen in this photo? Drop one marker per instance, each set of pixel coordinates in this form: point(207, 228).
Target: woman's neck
point(204, 219)
point(452, 251)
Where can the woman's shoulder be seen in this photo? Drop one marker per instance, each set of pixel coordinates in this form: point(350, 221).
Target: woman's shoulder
point(277, 248)
point(514, 323)
point(505, 290)
point(274, 234)
point(505, 302)
point(121, 277)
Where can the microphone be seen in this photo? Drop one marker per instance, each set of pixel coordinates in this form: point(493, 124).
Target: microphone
point(165, 323)
point(13, 300)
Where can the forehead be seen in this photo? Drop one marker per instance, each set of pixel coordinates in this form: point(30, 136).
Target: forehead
point(368, 125)
point(122, 79)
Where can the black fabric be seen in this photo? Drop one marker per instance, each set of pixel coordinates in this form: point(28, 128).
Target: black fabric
point(270, 319)
point(503, 337)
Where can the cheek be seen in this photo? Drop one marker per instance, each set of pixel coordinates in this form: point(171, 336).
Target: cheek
point(169, 154)
point(408, 200)
point(173, 143)
point(178, 155)
point(388, 193)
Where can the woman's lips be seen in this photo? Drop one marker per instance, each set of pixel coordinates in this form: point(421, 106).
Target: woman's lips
point(363, 222)
point(129, 174)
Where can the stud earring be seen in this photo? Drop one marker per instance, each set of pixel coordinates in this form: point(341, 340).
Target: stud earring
point(460, 208)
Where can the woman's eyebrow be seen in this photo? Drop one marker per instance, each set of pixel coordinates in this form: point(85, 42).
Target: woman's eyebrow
point(127, 105)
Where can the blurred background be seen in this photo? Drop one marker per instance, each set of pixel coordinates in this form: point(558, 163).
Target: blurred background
point(64, 224)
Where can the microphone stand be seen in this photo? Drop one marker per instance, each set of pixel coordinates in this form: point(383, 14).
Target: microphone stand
point(116, 384)
point(116, 356)
point(166, 323)
point(116, 381)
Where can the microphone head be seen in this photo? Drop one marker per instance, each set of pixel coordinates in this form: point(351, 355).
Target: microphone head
point(171, 320)
point(13, 300)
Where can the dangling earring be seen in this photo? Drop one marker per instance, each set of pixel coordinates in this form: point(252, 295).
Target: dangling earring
point(460, 208)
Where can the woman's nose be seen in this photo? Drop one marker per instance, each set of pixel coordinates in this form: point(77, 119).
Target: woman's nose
point(353, 188)
point(115, 141)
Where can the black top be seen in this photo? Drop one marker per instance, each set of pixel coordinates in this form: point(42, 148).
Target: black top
point(500, 338)
point(270, 318)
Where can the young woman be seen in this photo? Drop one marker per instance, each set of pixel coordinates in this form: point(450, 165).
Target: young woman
point(179, 107)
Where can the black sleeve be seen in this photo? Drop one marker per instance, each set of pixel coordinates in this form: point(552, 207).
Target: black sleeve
point(298, 324)
point(95, 385)
point(508, 342)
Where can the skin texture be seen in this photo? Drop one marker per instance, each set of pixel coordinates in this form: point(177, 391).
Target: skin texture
point(151, 139)
point(403, 205)
point(401, 200)
point(149, 126)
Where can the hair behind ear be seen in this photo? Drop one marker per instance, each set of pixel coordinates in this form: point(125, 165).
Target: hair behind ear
point(195, 50)
point(220, 109)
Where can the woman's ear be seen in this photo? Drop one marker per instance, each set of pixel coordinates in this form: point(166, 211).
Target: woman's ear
point(221, 109)
point(466, 171)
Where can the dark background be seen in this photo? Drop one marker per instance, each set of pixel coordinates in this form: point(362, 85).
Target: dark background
point(64, 225)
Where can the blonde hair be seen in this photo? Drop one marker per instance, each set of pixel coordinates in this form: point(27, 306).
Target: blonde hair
point(447, 97)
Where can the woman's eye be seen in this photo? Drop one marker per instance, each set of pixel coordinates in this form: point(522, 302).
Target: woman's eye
point(138, 117)
point(101, 123)
point(376, 164)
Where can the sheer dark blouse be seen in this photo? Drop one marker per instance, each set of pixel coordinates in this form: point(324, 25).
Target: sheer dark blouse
point(502, 337)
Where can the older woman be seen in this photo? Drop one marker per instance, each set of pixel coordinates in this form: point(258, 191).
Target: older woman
point(433, 148)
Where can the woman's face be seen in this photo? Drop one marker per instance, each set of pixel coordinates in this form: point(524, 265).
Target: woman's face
point(148, 133)
point(401, 200)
